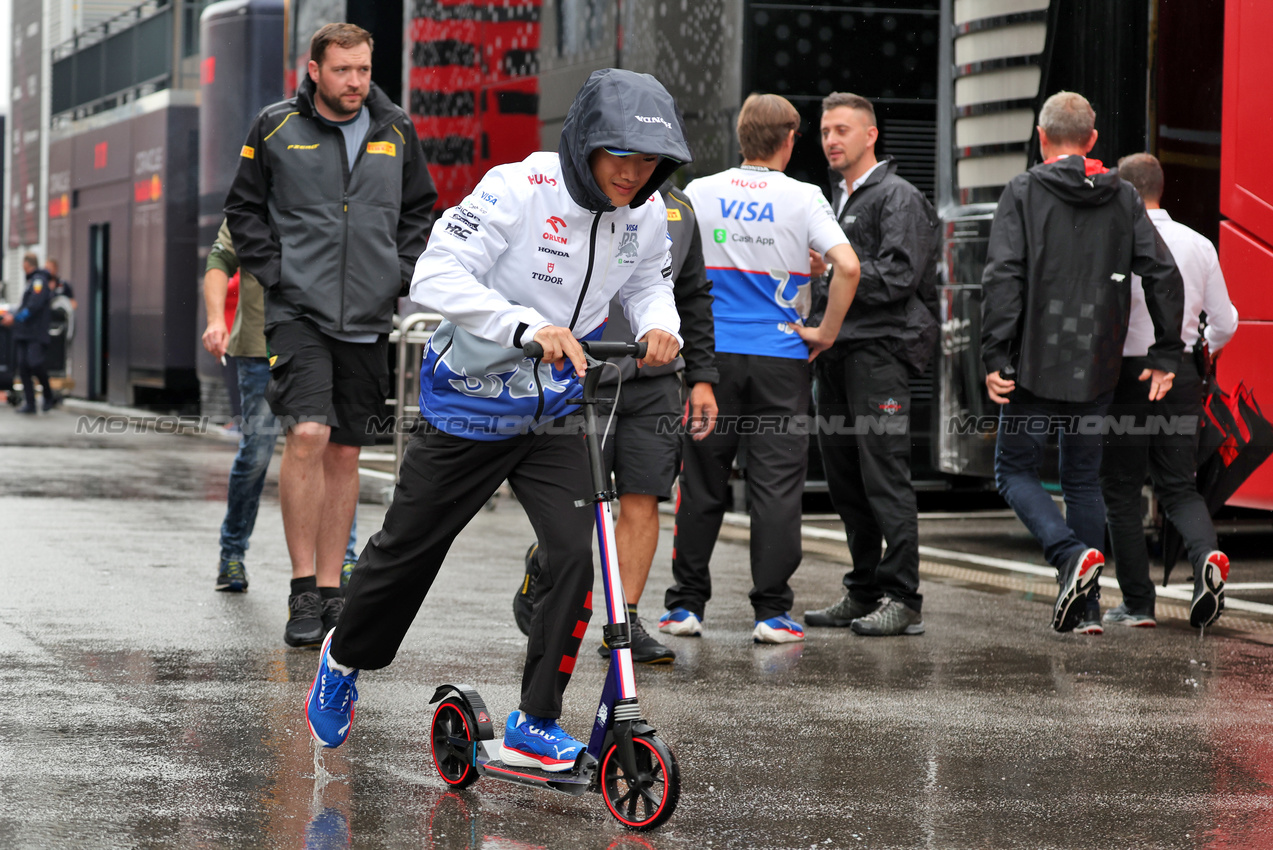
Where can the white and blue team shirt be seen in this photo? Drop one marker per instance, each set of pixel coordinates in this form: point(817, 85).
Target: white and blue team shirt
point(757, 227)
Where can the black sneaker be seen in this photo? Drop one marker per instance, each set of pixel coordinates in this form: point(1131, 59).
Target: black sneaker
point(1076, 580)
point(304, 619)
point(839, 614)
point(332, 607)
point(1090, 623)
point(524, 599)
point(232, 577)
point(51, 401)
point(1208, 590)
point(645, 649)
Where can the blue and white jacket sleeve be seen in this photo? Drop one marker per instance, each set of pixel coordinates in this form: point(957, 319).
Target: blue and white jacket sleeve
point(465, 243)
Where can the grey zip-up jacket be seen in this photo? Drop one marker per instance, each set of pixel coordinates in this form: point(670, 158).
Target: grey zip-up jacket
point(331, 244)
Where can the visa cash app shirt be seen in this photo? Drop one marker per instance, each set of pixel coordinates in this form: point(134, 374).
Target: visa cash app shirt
point(757, 227)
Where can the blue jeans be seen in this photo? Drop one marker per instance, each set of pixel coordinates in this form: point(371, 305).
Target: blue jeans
point(1024, 425)
point(259, 432)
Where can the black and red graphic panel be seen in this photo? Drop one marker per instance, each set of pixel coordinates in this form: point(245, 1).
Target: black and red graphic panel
point(473, 87)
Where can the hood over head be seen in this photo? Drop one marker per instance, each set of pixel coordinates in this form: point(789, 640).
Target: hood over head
point(1078, 181)
point(627, 111)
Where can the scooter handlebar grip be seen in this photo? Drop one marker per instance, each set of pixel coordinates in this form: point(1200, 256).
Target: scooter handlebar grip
point(533, 350)
point(605, 349)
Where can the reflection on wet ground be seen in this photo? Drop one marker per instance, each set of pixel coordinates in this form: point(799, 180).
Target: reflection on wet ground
point(141, 709)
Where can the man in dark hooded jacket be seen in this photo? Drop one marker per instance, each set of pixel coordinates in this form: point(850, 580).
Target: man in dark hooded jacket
point(535, 252)
point(31, 334)
point(1066, 238)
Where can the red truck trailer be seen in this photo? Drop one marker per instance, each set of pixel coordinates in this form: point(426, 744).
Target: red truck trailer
point(1246, 199)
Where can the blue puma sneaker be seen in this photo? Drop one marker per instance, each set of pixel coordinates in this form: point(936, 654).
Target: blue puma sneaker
point(538, 742)
point(329, 709)
point(681, 622)
point(780, 629)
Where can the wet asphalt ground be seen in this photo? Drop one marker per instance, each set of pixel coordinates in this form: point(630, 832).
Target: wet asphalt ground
point(139, 708)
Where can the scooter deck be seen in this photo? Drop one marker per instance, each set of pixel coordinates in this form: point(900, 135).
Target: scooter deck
point(574, 782)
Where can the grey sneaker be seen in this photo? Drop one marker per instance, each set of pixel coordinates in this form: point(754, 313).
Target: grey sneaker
point(1124, 616)
point(891, 618)
point(840, 614)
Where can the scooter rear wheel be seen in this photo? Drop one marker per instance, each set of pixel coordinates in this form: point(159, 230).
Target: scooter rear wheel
point(452, 734)
point(649, 798)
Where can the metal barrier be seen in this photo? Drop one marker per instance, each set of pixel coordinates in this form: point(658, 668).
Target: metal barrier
point(410, 337)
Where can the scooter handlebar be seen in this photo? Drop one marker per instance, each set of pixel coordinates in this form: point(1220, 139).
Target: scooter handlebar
point(597, 349)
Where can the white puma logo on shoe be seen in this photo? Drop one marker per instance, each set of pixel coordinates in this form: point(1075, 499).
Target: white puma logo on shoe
point(559, 750)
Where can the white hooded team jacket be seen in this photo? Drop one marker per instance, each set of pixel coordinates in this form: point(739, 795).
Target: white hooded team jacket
point(517, 255)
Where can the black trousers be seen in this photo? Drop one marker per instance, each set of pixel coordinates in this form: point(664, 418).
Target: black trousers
point(766, 399)
point(444, 482)
point(1169, 458)
point(30, 357)
point(864, 407)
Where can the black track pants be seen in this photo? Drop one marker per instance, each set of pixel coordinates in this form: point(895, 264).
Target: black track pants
point(767, 400)
point(445, 481)
point(866, 390)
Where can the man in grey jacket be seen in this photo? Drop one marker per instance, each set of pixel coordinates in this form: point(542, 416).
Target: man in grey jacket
point(329, 210)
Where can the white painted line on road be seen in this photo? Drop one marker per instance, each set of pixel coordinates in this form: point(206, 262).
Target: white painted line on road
point(376, 473)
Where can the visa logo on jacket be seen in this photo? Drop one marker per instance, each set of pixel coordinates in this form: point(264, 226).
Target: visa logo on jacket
point(746, 210)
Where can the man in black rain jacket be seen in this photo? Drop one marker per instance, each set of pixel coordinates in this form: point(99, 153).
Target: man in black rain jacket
point(864, 380)
point(31, 334)
point(1066, 238)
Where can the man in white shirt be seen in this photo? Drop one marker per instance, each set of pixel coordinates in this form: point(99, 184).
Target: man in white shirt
point(758, 226)
point(1167, 454)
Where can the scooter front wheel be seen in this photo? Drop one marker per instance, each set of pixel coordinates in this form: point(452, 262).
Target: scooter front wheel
point(647, 799)
point(452, 734)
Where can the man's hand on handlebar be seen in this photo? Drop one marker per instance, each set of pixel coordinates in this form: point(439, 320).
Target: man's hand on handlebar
point(560, 345)
point(662, 348)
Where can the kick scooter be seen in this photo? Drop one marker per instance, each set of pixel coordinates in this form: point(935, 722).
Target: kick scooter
point(625, 761)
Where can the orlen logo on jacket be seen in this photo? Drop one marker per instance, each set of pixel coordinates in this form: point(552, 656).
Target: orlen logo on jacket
point(537, 178)
point(648, 119)
point(555, 222)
